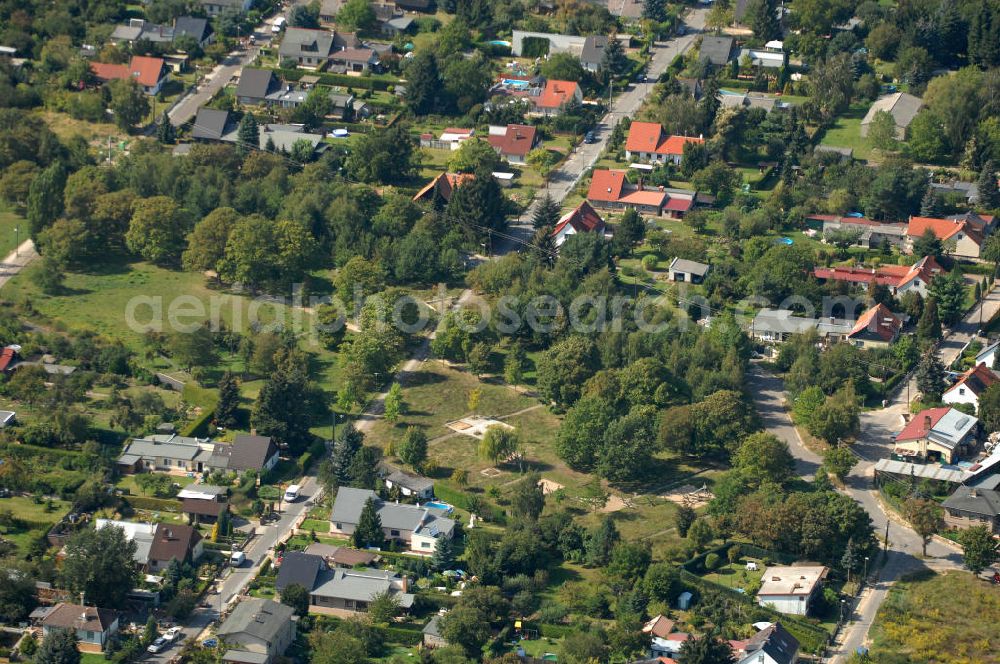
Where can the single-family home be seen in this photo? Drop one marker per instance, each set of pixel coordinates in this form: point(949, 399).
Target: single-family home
point(771, 645)
point(313, 48)
point(197, 28)
point(513, 142)
point(451, 138)
point(93, 627)
point(212, 124)
point(627, 9)
point(900, 279)
point(969, 191)
point(648, 142)
point(971, 506)
point(169, 453)
point(328, 10)
point(866, 233)
point(7, 357)
point(610, 190)
point(256, 85)
point(776, 325)
point(298, 568)
point(343, 107)
point(216, 7)
point(692, 272)
point(877, 327)
point(937, 434)
point(203, 503)
point(410, 486)
point(252, 452)
point(592, 52)
point(659, 630)
point(556, 95)
point(581, 219)
point(418, 527)
point(342, 556)
point(149, 73)
point(765, 58)
point(791, 589)
point(394, 26)
point(137, 29)
point(988, 355)
point(970, 386)
point(354, 589)
point(433, 638)
point(354, 61)
point(439, 189)
point(258, 631)
point(902, 106)
point(716, 51)
point(158, 543)
point(960, 237)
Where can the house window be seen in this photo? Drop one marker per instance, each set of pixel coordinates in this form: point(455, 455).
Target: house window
point(394, 533)
point(425, 545)
point(90, 636)
point(961, 390)
point(338, 526)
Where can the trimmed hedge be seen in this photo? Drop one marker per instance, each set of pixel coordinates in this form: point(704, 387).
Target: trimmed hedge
point(406, 637)
point(555, 631)
point(158, 504)
point(376, 82)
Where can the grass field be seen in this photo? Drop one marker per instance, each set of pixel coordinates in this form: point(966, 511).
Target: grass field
point(9, 220)
point(846, 132)
point(937, 618)
point(46, 512)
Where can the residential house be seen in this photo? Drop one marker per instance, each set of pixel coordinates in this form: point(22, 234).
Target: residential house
point(343, 107)
point(417, 527)
point(137, 29)
point(772, 56)
point(648, 142)
point(691, 272)
point(791, 589)
point(581, 219)
point(628, 9)
point(410, 486)
point(441, 187)
point(256, 85)
point(659, 629)
point(416, 5)
point(716, 51)
point(867, 233)
point(203, 503)
point(970, 386)
point(149, 73)
point(195, 27)
point(354, 589)
point(216, 7)
point(354, 60)
point(988, 355)
point(258, 631)
point(776, 325)
point(298, 568)
point(592, 52)
point(211, 124)
point(984, 223)
point(252, 452)
point(903, 107)
point(433, 638)
point(610, 190)
point(899, 279)
point(960, 237)
point(844, 155)
point(342, 556)
point(877, 327)
point(158, 543)
point(937, 434)
point(169, 452)
point(513, 142)
point(771, 645)
point(93, 627)
point(450, 139)
point(971, 506)
point(750, 100)
point(969, 191)
point(328, 10)
point(395, 25)
point(556, 95)
point(7, 357)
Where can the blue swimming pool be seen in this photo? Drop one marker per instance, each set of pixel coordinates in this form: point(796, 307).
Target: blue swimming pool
point(498, 42)
point(440, 506)
point(515, 83)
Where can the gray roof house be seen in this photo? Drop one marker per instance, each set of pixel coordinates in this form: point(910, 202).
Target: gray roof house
point(255, 85)
point(170, 452)
point(410, 485)
point(433, 638)
point(300, 568)
point(216, 7)
point(901, 106)
point(257, 631)
point(253, 453)
point(193, 26)
point(284, 137)
point(593, 52)
point(419, 527)
point(776, 325)
point(973, 506)
point(771, 645)
point(692, 272)
point(212, 124)
point(716, 51)
point(311, 48)
point(354, 589)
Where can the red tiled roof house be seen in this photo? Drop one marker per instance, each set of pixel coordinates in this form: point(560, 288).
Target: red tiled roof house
point(513, 142)
point(554, 97)
point(149, 73)
point(876, 328)
point(647, 142)
point(609, 190)
point(937, 434)
point(441, 187)
point(583, 219)
point(970, 385)
point(899, 279)
point(960, 237)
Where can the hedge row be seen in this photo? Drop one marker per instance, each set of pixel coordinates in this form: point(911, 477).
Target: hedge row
point(157, 504)
point(406, 637)
point(354, 82)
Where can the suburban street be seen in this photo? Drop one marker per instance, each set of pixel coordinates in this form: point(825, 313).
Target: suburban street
point(563, 179)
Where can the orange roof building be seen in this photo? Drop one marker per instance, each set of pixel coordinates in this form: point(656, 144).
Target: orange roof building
point(513, 142)
point(610, 190)
point(582, 219)
point(876, 327)
point(970, 385)
point(442, 186)
point(961, 237)
point(898, 278)
point(150, 73)
point(556, 95)
point(648, 142)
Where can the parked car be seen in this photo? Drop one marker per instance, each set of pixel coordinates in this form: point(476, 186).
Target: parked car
point(237, 558)
point(173, 634)
point(589, 137)
point(158, 645)
point(210, 643)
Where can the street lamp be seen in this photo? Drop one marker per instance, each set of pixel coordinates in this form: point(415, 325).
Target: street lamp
point(17, 241)
point(865, 579)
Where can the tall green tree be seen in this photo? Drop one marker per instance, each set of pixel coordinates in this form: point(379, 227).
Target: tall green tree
point(989, 195)
point(979, 548)
point(157, 230)
point(929, 325)
point(129, 103)
point(165, 132)
point(601, 541)
point(248, 134)
point(423, 83)
point(477, 207)
point(983, 49)
point(949, 292)
point(227, 408)
point(925, 517)
point(288, 402)
point(527, 500)
point(707, 649)
point(930, 378)
point(762, 17)
point(614, 62)
point(513, 366)
point(356, 16)
point(58, 647)
point(45, 198)
point(368, 532)
point(296, 596)
point(655, 10)
point(99, 563)
point(546, 213)
point(444, 554)
point(393, 403)
point(17, 590)
point(413, 448)
point(498, 443)
point(206, 245)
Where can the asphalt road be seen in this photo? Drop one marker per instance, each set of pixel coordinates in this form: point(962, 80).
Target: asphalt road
point(234, 580)
point(563, 179)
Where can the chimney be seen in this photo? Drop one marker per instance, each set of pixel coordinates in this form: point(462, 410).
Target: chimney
point(253, 431)
point(405, 583)
point(973, 493)
point(927, 422)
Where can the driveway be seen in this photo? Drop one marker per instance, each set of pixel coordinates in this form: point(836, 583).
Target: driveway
point(563, 179)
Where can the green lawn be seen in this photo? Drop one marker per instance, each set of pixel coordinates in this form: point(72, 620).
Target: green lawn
point(46, 514)
point(846, 132)
point(938, 618)
point(9, 220)
point(735, 575)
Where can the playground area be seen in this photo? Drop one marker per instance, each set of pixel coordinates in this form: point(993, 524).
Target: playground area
point(475, 426)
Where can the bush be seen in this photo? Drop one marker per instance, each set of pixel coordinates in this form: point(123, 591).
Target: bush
point(649, 262)
point(712, 561)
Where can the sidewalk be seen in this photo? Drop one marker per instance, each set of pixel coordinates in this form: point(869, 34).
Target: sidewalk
point(16, 260)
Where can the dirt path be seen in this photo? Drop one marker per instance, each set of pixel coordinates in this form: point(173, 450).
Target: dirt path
point(16, 260)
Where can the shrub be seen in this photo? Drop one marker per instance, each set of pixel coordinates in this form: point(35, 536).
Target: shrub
point(712, 561)
point(733, 554)
point(649, 262)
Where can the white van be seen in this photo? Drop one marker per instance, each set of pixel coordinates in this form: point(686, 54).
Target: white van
point(292, 493)
point(279, 23)
point(237, 558)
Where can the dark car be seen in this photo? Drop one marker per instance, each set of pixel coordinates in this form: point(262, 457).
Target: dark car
point(589, 137)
